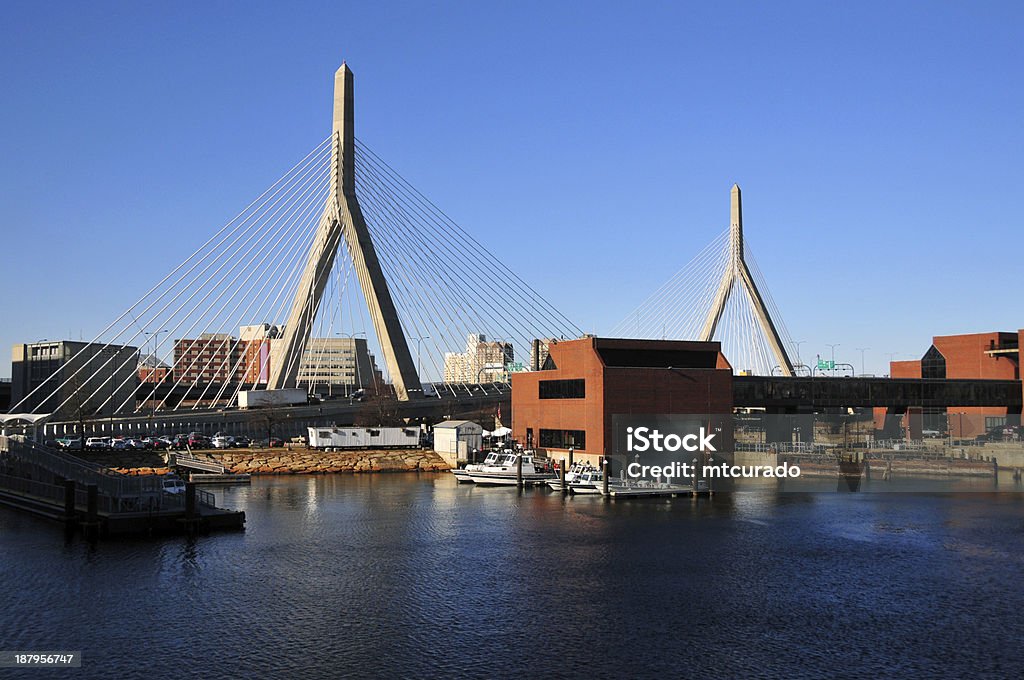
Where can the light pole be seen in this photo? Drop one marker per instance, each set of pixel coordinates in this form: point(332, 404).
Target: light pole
point(419, 368)
point(355, 358)
point(833, 346)
point(797, 343)
point(862, 350)
point(156, 345)
point(153, 377)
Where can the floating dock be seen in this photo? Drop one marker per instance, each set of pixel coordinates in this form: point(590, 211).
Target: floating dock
point(653, 490)
point(100, 502)
point(220, 478)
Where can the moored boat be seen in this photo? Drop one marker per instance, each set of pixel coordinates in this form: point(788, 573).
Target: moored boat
point(572, 474)
point(588, 482)
point(506, 472)
point(462, 475)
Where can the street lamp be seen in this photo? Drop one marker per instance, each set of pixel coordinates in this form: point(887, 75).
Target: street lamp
point(355, 357)
point(797, 344)
point(862, 350)
point(419, 368)
point(833, 346)
point(156, 345)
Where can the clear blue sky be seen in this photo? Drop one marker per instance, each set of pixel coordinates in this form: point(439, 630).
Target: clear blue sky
point(878, 145)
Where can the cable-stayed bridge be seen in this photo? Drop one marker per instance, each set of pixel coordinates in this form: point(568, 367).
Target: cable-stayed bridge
point(342, 271)
point(719, 295)
point(340, 256)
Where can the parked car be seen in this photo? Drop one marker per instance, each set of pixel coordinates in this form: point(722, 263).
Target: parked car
point(275, 442)
point(119, 444)
point(222, 442)
point(97, 443)
point(136, 444)
point(242, 442)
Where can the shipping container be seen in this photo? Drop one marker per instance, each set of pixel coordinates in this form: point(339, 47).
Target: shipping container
point(342, 438)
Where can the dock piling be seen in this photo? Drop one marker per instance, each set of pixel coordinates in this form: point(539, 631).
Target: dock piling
point(190, 500)
point(519, 470)
point(92, 511)
point(561, 474)
point(605, 471)
point(69, 502)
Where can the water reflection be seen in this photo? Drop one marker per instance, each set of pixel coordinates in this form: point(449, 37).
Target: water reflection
point(413, 575)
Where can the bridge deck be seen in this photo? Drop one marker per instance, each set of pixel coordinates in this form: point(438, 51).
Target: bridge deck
point(776, 391)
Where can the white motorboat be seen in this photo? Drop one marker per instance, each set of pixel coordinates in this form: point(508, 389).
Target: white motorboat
point(493, 458)
point(505, 472)
point(571, 475)
point(588, 482)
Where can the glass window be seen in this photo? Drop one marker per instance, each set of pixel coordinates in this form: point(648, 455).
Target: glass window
point(563, 439)
point(563, 389)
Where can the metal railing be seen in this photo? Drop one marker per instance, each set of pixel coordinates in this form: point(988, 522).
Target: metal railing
point(783, 447)
point(116, 492)
point(82, 471)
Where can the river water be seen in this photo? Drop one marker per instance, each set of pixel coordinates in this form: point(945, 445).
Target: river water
point(411, 575)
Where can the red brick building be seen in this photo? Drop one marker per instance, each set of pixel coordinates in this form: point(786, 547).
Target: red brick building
point(151, 374)
point(984, 356)
point(584, 383)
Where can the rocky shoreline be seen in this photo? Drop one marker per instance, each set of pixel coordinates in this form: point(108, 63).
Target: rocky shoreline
point(282, 461)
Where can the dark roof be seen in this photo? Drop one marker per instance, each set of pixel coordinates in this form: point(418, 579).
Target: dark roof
point(619, 352)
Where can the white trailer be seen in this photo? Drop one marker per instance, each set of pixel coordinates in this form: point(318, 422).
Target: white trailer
point(264, 398)
point(343, 438)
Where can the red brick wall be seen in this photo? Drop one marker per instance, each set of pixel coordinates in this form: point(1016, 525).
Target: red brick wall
point(966, 358)
point(642, 391)
point(905, 369)
point(574, 359)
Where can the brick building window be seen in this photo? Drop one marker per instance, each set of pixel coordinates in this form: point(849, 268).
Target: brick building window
point(563, 389)
point(563, 439)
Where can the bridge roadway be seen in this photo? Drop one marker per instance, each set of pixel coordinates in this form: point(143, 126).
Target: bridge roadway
point(893, 393)
point(292, 420)
point(775, 393)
